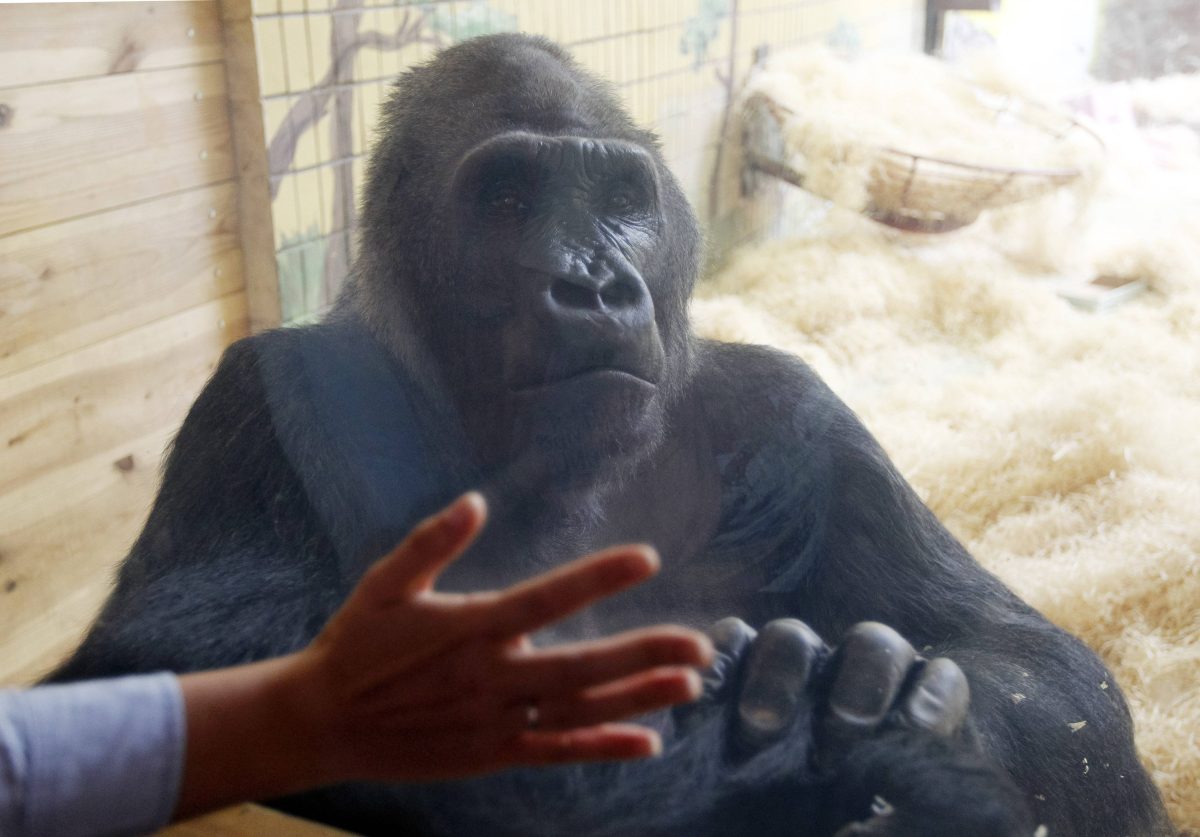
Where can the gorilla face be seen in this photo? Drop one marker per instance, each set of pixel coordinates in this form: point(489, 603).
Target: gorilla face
point(539, 254)
point(561, 232)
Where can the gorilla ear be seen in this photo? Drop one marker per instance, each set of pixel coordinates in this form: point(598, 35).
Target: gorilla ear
point(388, 172)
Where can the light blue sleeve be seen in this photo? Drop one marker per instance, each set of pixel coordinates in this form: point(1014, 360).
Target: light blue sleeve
point(98, 758)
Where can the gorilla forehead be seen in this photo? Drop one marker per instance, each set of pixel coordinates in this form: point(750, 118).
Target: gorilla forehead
point(510, 82)
point(584, 159)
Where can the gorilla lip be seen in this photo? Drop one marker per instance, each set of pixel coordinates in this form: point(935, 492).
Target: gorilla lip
point(597, 373)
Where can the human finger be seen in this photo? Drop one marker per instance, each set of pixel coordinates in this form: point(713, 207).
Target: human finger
point(413, 566)
point(493, 715)
point(625, 698)
point(577, 666)
point(547, 598)
point(604, 742)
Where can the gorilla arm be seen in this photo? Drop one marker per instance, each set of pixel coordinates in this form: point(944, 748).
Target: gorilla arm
point(229, 567)
point(298, 465)
point(866, 548)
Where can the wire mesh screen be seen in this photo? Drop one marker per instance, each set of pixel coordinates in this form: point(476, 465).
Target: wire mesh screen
point(325, 66)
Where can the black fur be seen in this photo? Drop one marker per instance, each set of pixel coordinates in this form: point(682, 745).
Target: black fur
point(312, 450)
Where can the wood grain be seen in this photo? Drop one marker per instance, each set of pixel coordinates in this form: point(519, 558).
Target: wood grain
point(249, 821)
point(80, 147)
point(250, 145)
point(48, 42)
point(68, 285)
point(82, 439)
point(60, 538)
point(68, 408)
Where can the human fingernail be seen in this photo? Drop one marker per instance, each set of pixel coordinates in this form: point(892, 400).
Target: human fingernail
point(655, 741)
point(464, 510)
point(650, 556)
point(695, 687)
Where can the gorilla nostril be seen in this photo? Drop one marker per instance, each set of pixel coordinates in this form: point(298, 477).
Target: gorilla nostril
point(570, 295)
point(620, 295)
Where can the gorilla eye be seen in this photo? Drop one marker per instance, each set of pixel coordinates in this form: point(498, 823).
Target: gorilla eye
point(623, 201)
point(505, 203)
point(508, 201)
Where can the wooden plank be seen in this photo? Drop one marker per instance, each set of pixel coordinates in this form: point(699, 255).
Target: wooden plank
point(249, 821)
point(79, 147)
point(70, 508)
point(69, 408)
point(59, 545)
point(250, 145)
point(47, 42)
point(66, 286)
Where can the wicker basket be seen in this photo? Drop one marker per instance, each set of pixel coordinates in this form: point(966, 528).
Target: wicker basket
point(915, 192)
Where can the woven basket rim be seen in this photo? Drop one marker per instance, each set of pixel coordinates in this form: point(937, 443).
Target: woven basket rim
point(1069, 172)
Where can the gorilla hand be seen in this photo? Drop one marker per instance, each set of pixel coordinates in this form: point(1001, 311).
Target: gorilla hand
point(884, 727)
point(879, 682)
point(787, 675)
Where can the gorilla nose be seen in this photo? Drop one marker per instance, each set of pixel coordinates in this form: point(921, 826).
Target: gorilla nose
point(579, 294)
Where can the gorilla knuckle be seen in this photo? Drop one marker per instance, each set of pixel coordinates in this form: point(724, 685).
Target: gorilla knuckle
point(731, 632)
point(777, 687)
point(792, 634)
point(939, 699)
point(871, 667)
point(874, 635)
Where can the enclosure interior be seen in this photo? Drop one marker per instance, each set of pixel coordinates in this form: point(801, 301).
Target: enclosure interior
point(178, 174)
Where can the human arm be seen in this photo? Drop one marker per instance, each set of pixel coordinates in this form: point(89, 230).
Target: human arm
point(103, 755)
point(403, 684)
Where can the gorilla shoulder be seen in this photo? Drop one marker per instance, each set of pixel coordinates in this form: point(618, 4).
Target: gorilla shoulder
point(758, 392)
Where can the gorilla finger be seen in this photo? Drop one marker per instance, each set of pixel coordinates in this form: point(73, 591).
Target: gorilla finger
point(731, 638)
point(626, 698)
point(414, 565)
point(775, 688)
point(871, 667)
point(939, 700)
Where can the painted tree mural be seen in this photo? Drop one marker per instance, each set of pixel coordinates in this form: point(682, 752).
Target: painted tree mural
point(333, 95)
point(351, 53)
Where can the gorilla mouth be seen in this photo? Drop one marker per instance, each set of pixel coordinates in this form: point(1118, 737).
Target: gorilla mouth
point(592, 374)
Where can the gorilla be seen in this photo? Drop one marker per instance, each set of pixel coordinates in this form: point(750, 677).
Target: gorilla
point(517, 321)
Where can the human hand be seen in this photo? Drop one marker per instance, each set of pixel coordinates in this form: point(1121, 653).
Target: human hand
point(406, 683)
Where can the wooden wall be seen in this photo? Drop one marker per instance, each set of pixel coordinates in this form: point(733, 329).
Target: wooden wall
point(121, 280)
